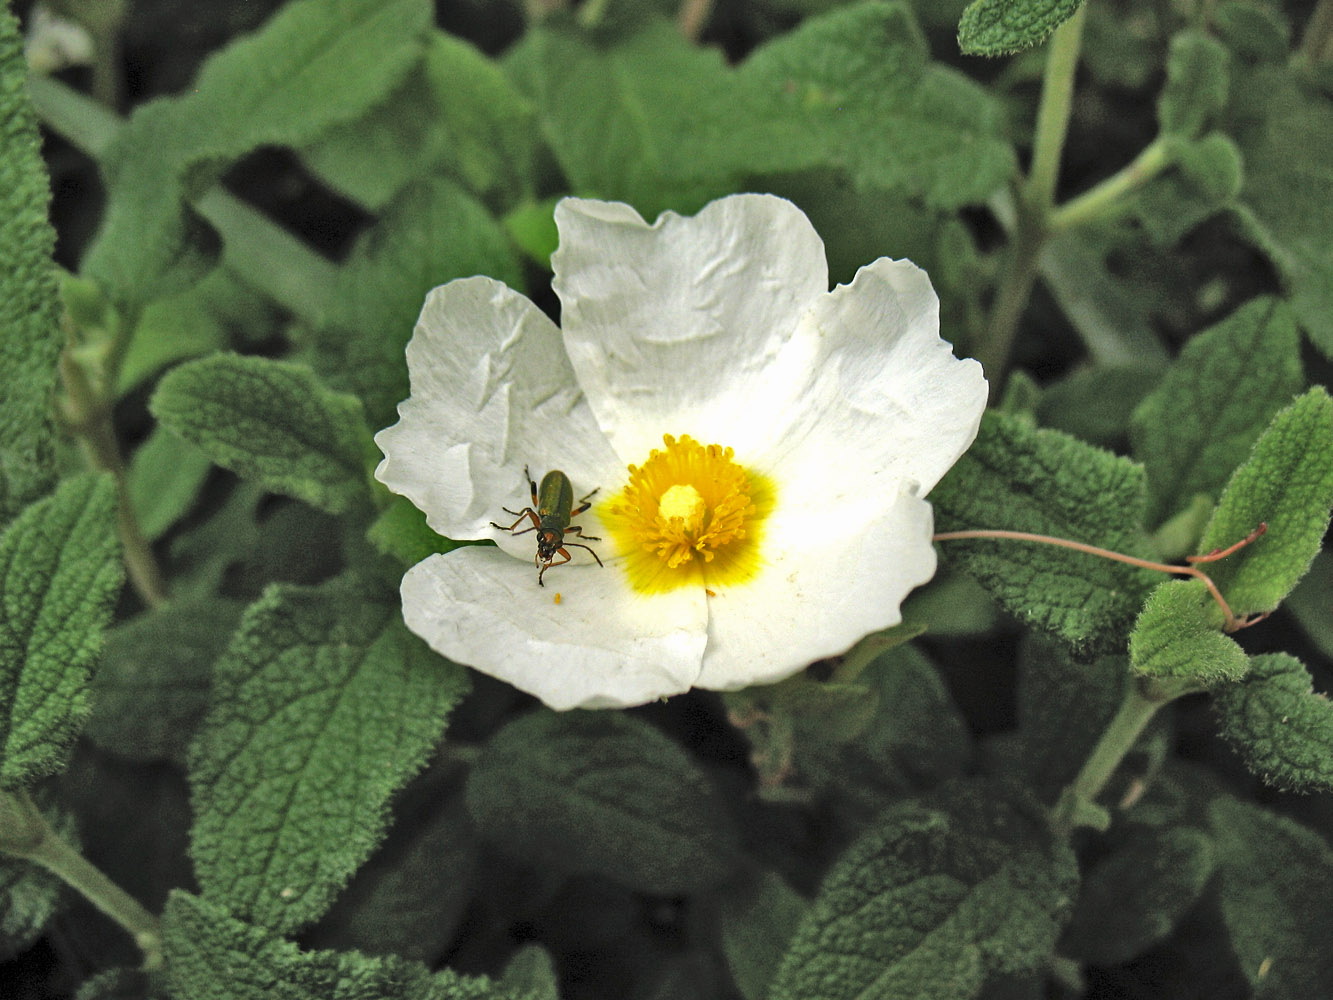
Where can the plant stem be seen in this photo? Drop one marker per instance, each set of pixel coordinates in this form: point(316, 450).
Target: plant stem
point(1104, 199)
point(41, 845)
point(1116, 741)
point(89, 416)
point(693, 16)
point(1036, 196)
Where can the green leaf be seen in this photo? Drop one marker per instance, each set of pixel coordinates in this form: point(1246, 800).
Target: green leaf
point(1018, 478)
point(1179, 635)
point(1310, 601)
point(1063, 707)
point(402, 533)
point(210, 955)
point(165, 476)
point(1276, 880)
point(606, 794)
point(1206, 178)
point(1000, 27)
point(1214, 402)
point(432, 233)
point(1279, 725)
point(757, 925)
point(316, 63)
point(855, 89)
point(60, 573)
point(323, 706)
point(532, 972)
point(1285, 134)
point(30, 894)
point(30, 336)
point(457, 112)
point(1287, 483)
point(124, 984)
point(412, 894)
point(1196, 84)
point(151, 689)
point(1133, 897)
point(944, 896)
point(273, 421)
point(1094, 403)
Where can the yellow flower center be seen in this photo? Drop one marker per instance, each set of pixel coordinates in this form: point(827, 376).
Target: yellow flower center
point(689, 515)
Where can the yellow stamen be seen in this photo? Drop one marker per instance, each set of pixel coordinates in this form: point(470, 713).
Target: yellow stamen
point(689, 514)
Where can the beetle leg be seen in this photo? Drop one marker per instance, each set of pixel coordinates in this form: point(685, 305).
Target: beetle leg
point(559, 552)
point(584, 501)
point(579, 545)
point(532, 485)
point(525, 512)
point(577, 529)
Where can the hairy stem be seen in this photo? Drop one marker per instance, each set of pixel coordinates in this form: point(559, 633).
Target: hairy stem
point(1036, 196)
point(25, 833)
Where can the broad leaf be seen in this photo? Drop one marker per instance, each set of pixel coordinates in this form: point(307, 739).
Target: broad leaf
point(1179, 635)
point(30, 335)
point(757, 925)
point(999, 27)
point(1279, 725)
point(602, 793)
point(1214, 402)
point(60, 573)
point(1018, 478)
point(944, 896)
point(165, 476)
point(273, 421)
point(1196, 84)
point(1287, 483)
point(323, 706)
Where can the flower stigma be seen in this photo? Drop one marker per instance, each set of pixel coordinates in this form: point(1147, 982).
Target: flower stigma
point(689, 515)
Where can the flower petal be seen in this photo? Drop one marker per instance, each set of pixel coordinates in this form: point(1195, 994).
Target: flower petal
point(884, 403)
point(601, 646)
point(670, 325)
point(827, 584)
point(492, 390)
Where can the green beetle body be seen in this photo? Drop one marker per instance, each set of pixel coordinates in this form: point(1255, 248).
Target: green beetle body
point(554, 510)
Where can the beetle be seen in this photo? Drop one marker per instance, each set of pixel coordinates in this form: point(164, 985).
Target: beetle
point(554, 503)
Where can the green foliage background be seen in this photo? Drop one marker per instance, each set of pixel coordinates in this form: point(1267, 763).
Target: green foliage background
point(1065, 775)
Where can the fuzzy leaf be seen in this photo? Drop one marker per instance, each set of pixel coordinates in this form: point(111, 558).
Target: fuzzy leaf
point(1178, 634)
point(1133, 898)
point(151, 689)
point(210, 955)
point(601, 793)
point(1279, 725)
point(273, 421)
point(944, 895)
point(1310, 601)
point(1287, 483)
point(60, 573)
point(1284, 128)
point(999, 27)
point(1196, 84)
point(1018, 478)
point(1206, 178)
point(314, 64)
point(30, 336)
point(1276, 880)
point(402, 533)
point(323, 706)
point(456, 112)
point(1215, 402)
point(29, 898)
point(757, 926)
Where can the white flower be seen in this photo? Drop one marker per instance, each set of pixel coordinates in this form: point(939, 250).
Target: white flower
point(760, 446)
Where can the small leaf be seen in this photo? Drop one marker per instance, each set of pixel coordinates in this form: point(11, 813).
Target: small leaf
point(1133, 898)
point(323, 706)
point(151, 689)
point(1196, 84)
point(1000, 27)
point(210, 955)
point(315, 63)
point(165, 476)
point(60, 573)
point(1276, 880)
point(1179, 635)
point(946, 894)
point(757, 926)
point(1287, 483)
point(600, 793)
point(1206, 178)
point(1276, 722)
point(1094, 403)
point(30, 894)
point(1018, 478)
point(1214, 402)
point(531, 972)
point(271, 420)
point(30, 336)
point(1310, 601)
point(402, 533)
